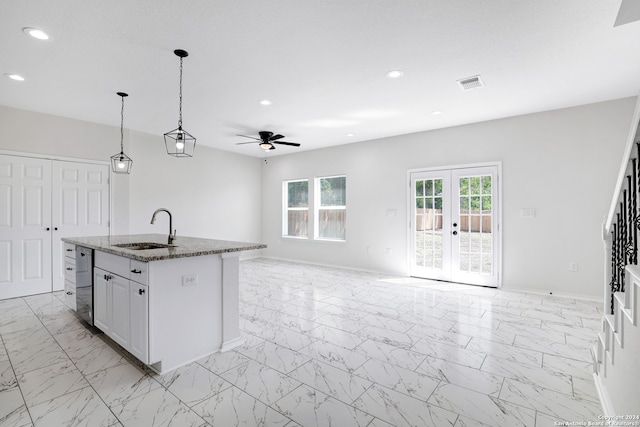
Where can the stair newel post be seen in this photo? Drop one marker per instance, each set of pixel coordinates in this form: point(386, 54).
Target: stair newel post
point(625, 228)
point(634, 210)
point(614, 269)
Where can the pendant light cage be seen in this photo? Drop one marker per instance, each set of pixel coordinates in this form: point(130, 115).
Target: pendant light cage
point(179, 142)
point(120, 162)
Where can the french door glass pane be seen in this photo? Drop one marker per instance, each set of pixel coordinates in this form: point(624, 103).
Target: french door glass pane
point(428, 238)
point(476, 249)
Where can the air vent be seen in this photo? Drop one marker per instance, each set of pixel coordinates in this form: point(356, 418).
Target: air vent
point(470, 83)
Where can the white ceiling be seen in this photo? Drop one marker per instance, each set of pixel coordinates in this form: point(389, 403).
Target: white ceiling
point(322, 63)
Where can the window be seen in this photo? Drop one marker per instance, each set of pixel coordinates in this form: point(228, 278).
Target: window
point(331, 208)
point(296, 207)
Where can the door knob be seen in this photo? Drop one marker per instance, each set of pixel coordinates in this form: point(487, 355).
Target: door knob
point(455, 224)
point(454, 233)
point(140, 291)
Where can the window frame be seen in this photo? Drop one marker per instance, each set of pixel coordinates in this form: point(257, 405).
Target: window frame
point(286, 209)
point(317, 207)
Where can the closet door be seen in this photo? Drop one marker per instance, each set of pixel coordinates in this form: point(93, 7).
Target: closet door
point(25, 226)
point(80, 207)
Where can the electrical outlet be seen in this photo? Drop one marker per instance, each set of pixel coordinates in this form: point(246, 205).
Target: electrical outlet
point(573, 266)
point(190, 279)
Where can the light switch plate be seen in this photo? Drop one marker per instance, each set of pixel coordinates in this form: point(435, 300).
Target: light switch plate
point(190, 279)
point(527, 213)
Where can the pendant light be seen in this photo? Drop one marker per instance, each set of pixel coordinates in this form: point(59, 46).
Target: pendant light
point(120, 162)
point(179, 142)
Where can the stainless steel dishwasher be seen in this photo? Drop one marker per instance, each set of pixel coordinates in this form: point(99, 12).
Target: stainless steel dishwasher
point(84, 283)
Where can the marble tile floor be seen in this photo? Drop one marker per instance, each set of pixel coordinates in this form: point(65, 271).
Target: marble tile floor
point(323, 347)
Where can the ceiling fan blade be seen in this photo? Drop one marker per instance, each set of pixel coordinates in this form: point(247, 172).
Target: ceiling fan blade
point(274, 137)
point(247, 136)
point(249, 142)
point(294, 144)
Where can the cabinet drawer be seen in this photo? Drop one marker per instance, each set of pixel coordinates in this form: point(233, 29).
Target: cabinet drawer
point(70, 295)
point(113, 263)
point(139, 271)
point(70, 270)
point(69, 250)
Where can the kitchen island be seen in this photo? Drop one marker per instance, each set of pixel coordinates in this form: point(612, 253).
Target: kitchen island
point(167, 304)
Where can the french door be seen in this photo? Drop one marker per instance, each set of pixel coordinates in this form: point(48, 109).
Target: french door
point(455, 225)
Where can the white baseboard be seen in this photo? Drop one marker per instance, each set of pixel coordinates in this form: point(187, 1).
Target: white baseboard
point(605, 400)
point(554, 294)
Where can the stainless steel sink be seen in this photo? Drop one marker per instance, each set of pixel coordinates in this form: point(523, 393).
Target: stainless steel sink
point(141, 246)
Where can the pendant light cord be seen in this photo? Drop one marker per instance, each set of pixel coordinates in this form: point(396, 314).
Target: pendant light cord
point(180, 119)
point(122, 126)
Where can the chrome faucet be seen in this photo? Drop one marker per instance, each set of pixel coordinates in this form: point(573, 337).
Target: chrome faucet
point(172, 237)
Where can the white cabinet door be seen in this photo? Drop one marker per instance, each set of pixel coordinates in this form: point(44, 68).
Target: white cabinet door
point(80, 207)
point(25, 227)
point(139, 318)
point(119, 325)
point(101, 300)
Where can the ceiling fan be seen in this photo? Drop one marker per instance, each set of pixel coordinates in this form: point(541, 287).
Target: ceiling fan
point(267, 139)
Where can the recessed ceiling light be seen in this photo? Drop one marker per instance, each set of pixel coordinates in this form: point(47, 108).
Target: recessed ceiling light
point(436, 113)
point(36, 33)
point(265, 102)
point(394, 74)
point(351, 134)
point(16, 77)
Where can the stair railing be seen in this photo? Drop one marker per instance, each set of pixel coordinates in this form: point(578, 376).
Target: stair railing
point(620, 230)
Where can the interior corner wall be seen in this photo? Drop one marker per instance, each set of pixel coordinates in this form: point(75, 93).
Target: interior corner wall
point(562, 163)
point(52, 136)
point(214, 194)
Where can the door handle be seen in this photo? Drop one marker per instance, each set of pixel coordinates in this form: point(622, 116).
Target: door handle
point(455, 224)
point(69, 250)
point(140, 291)
point(69, 268)
point(136, 271)
point(69, 293)
point(455, 233)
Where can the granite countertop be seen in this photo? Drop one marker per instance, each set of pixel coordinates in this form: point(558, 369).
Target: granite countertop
point(181, 247)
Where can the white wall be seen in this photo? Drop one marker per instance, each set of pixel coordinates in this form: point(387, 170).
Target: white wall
point(562, 163)
point(215, 194)
point(46, 135)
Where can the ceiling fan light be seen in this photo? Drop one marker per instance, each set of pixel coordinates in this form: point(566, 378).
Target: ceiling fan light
point(266, 145)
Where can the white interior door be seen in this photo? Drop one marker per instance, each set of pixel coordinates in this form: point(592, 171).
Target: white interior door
point(455, 225)
point(25, 226)
point(80, 207)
